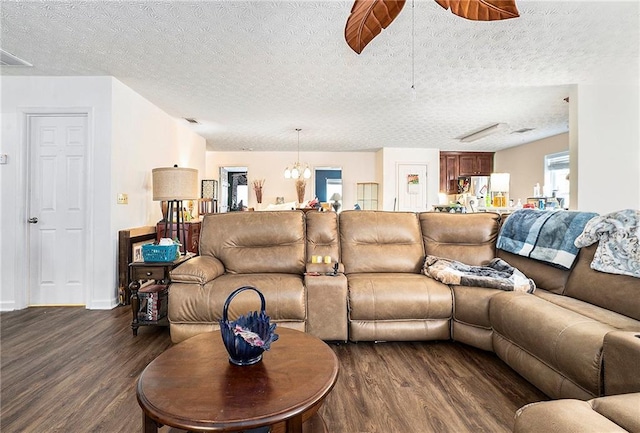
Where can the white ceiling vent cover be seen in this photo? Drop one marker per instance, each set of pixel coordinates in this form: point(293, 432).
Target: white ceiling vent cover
point(522, 130)
point(8, 59)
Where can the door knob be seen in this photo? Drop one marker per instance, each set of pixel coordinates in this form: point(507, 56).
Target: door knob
point(33, 220)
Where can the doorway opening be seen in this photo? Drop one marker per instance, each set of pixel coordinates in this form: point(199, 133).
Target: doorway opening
point(328, 182)
point(234, 189)
point(556, 175)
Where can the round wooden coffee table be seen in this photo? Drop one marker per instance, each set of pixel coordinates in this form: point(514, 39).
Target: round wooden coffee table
point(193, 386)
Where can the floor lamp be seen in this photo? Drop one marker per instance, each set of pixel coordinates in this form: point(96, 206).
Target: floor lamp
point(172, 185)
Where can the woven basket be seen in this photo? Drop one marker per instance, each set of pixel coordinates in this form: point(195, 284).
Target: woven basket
point(247, 337)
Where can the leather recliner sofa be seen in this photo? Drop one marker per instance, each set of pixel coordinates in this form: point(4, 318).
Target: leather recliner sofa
point(575, 337)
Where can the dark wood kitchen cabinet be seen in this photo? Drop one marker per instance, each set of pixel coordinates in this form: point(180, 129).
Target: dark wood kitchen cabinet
point(475, 164)
point(448, 173)
point(456, 164)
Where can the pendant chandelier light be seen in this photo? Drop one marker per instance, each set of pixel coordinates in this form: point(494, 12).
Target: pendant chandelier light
point(296, 171)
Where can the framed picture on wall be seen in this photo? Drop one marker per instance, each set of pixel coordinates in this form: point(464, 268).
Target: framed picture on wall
point(136, 250)
point(209, 189)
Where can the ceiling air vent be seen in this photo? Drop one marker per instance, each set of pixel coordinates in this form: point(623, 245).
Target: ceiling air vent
point(8, 59)
point(522, 130)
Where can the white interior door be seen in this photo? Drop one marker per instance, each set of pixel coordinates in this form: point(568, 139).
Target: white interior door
point(57, 209)
point(412, 187)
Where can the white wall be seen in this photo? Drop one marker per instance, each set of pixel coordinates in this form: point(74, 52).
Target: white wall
point(525, 163)
point(43, 94)
point(356, 167)
point(125, 133)
point(606, 147)
point(145, 137)
point(390, 157)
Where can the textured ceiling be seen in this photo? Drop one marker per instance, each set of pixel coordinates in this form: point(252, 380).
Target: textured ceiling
point(253, 71)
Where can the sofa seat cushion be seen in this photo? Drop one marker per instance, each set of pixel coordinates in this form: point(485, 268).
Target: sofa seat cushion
point(284, 294)
point(615, 414)
point(594, 312)
point(623, 409)
point(397, 296)
point(471, 305)
point(568, 342)
point(471, 324)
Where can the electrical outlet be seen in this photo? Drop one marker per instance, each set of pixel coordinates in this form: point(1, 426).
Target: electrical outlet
point(3, 158)
point(123, 198)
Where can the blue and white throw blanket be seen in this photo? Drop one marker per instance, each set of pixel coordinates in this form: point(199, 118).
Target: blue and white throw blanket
point(547, 236)
point(618, 251)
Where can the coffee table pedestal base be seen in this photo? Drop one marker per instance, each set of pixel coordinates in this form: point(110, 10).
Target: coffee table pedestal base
point(315, 424)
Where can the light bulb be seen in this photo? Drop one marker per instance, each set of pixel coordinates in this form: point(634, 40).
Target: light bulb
point(295, 173)
point(287, 173)
point(307, 172)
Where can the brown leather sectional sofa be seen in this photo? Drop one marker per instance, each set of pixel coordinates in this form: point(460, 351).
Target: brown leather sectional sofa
point(576, 337)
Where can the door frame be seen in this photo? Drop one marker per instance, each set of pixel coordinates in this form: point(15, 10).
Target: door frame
point(22, 188)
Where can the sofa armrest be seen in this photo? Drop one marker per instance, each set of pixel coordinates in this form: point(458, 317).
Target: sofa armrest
point(621, 362)
point(323, 268)
point(198, 270)
point(327, 306)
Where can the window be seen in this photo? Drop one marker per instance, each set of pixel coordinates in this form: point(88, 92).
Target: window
point(556, 176)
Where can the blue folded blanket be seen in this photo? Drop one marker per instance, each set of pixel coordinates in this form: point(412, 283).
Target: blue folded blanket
point(547, 236)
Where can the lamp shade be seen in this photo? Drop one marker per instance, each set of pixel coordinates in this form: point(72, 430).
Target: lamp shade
point(500, 182)
point(336, 197)
point(174, 183)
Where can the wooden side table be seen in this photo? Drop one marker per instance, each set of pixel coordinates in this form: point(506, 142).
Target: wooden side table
point(145, 271)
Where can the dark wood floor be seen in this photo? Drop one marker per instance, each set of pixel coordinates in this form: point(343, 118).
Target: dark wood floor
point(73, 370)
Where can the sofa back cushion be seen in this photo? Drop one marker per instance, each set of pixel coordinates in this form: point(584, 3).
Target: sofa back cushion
point(256, 242)
point(619, 293)
point(545, 276)
point(467, 238)
point(322, 235)
point(379, 241)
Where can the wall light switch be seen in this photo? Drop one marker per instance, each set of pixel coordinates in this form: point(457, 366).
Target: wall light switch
point(3, 158)
point(123, 198)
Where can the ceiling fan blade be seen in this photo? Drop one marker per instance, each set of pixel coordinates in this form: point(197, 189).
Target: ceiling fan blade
point(367, 19)
point(482, 10)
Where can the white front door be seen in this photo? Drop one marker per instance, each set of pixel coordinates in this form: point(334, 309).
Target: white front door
point(57, 209)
